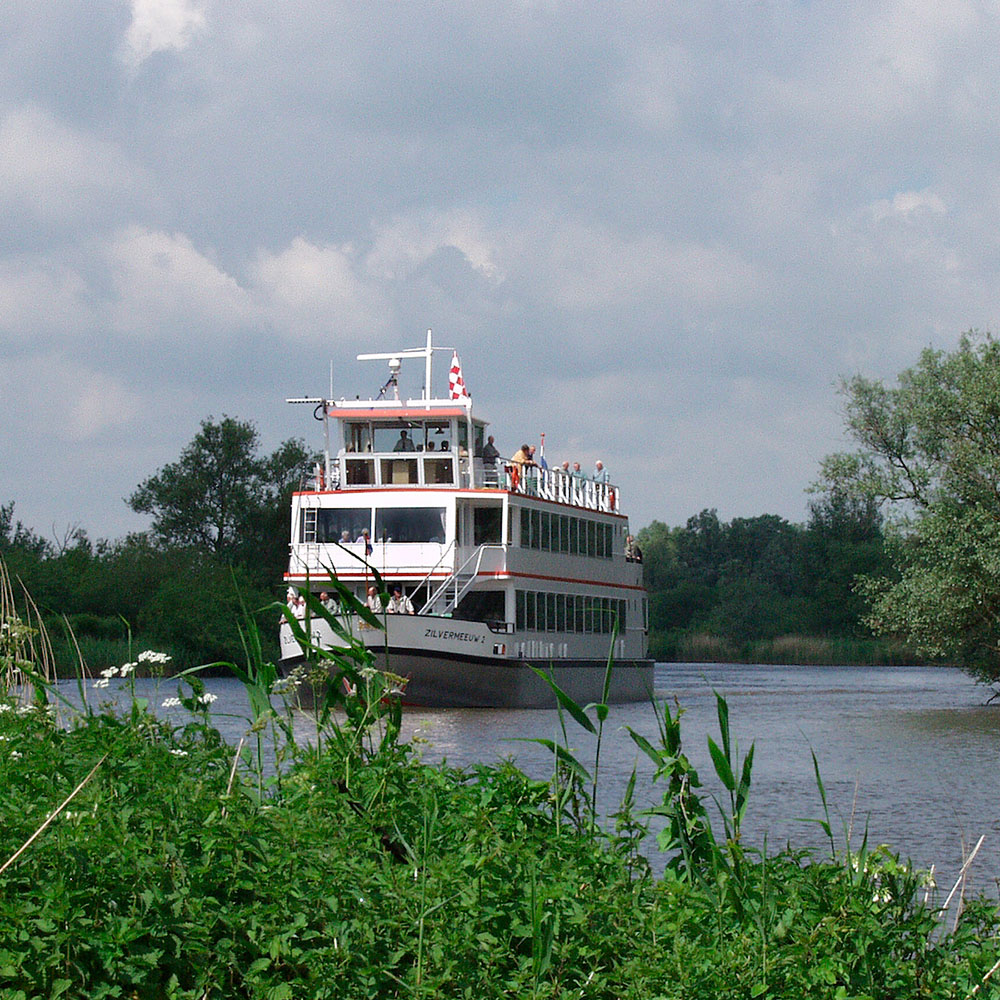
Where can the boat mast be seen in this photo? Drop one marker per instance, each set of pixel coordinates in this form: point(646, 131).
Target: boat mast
point(396, 357)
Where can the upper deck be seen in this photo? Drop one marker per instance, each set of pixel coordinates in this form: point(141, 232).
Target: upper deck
point(394, 443)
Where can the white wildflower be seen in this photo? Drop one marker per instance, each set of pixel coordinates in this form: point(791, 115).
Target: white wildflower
point(102, 683)
point(127, 668)
point(4, 707)
point(170, 702)
point(179, 753)
point(15, 755)
point(149, 656)
point(207, 698)
point(109, 673)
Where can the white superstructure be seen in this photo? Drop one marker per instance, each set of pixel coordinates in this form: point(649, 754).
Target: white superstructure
point(505, 564)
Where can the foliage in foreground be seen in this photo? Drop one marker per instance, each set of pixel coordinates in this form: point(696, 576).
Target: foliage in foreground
point(372, 874)
point(140, 859)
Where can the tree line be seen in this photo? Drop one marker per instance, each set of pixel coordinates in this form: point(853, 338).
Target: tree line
point(747, 588)
point(902, 543)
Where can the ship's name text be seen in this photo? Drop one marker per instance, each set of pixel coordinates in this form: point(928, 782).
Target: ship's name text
point(436, 633)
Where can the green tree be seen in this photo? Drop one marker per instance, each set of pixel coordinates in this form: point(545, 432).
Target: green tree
point(223, 497)
point(930, 454)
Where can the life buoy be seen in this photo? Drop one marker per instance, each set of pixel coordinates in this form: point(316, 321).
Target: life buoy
point(515, 476)
point(611, 499)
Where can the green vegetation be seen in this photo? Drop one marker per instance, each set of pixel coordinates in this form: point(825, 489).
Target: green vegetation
point(220, 530)
point(139, 859)
point(763, 590)
point(929, 452)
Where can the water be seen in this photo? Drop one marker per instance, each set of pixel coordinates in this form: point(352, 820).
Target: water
point(910, 753)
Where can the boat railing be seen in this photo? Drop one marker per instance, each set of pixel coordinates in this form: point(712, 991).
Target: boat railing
point(462, 579)
point(561, 486)
point(426, 581)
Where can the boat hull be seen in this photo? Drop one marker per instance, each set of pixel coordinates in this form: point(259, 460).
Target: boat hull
point(463, 665)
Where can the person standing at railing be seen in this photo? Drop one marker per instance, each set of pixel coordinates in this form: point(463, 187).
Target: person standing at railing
point(601, 474)
point(490, 453)
point(373, 602)
point(399, 603)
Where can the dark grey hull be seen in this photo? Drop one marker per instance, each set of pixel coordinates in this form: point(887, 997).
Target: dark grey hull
point(436, 681)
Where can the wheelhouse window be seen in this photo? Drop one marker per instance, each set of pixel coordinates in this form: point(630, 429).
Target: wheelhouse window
point(357, 437)
point(360, 471)
point(399, 435)
point(410, 524)
point(399, 471)
point(439, 471)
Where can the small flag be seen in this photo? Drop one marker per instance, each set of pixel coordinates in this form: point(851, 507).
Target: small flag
point(456, 384)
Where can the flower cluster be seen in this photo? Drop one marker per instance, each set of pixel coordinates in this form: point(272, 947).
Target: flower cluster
point(147, 656)
point(151, 657)
point(287, 685)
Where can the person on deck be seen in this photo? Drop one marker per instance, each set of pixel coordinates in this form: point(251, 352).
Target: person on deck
point(399, 603)
point(373, 602)
point(405, 443)
point(600, 473)
point(632, 551)
point(522, 456)
point(490, 453)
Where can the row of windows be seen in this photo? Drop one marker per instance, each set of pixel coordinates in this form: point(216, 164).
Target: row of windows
point(541, 611)
point(549, 532)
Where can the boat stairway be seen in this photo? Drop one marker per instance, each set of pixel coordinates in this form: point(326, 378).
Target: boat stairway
point(449, 592)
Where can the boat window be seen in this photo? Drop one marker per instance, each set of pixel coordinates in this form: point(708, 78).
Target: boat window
point(358, 437)
point(481, 606)
point(410, 524)
point(399, 471)
point(525, 529)
point(360, 471)
point(342, 524)
point(438, 470)
point(433, 435)
point(487, 523)
point(397, 435)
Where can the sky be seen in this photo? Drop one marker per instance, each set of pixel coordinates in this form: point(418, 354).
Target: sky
point(659, 233)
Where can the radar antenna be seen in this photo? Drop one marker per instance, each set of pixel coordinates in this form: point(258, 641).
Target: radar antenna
point(395, 363)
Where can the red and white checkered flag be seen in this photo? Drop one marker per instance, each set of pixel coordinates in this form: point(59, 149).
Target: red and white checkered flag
point(456, 384)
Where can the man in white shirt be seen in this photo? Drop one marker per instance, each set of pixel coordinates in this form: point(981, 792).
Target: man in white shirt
point(399, 603)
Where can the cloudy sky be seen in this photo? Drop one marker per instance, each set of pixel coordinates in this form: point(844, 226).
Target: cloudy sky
point(657, 232)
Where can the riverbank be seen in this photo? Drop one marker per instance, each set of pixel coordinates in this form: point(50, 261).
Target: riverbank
point(179, 868)
point(786, 650)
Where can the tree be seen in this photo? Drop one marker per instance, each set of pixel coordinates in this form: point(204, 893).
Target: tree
point(222, 496)
point(930, 455)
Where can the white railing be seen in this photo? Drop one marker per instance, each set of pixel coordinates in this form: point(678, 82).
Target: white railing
point(426, 581)
point(564, 487)
point(455, 580)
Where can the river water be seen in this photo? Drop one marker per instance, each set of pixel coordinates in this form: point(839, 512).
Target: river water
point(909, 753)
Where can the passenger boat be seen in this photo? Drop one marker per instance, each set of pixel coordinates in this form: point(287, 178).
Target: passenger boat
point(507, 566)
